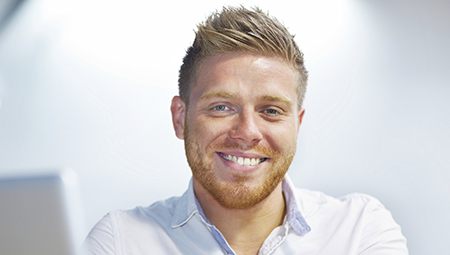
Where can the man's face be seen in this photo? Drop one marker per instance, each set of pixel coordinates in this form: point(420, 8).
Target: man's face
point(240, 127)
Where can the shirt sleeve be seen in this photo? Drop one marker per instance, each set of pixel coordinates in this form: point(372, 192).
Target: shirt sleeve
point(100, 240)
point(381, 234)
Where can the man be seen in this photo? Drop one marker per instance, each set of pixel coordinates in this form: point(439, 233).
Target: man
point(239, 110)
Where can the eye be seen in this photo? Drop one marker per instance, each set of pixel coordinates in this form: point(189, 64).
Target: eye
point(220, 108)
point(272, 111)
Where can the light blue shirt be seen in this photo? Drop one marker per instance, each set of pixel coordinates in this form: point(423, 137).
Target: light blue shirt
point(293, 221)
point(314, 224)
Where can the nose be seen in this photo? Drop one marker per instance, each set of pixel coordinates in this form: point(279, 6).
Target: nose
point(245, 130)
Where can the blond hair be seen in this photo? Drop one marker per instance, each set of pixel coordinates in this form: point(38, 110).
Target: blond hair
point(237, 29)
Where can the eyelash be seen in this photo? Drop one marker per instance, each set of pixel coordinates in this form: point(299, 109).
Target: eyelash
point(277, 112)
point(268, 112)
point(215, 108)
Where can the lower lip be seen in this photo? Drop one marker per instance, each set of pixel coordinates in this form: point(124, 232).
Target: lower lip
point(239, 168)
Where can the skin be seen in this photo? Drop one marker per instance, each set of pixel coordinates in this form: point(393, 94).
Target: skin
point(246, 106)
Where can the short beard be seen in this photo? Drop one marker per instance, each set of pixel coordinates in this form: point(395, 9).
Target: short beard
point(236, 194)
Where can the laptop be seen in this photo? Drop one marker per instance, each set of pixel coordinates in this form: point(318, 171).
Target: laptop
point(40, 213)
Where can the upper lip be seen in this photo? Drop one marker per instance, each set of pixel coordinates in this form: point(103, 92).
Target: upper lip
point(243, 154)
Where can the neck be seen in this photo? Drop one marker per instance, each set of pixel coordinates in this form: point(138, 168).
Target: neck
point(244, 229)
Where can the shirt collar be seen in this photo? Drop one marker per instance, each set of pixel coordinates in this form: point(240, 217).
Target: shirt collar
point(293, 215)
point(188, 206)
point(185, 208)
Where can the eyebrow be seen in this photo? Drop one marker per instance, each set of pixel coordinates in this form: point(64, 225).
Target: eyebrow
point(229, 95)
point(277, 99)
point(219, 94)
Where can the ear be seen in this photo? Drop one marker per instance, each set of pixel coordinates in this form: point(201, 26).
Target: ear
point(301, 113)
point(178, 109)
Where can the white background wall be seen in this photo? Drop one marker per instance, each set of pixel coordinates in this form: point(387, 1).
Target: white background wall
point(87, 85)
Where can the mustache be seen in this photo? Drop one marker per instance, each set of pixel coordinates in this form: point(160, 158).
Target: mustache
point(259, 149)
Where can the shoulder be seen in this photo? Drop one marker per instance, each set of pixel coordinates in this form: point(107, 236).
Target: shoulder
point(358, 207)
point(362, 218)
point(312, 202)
point(157, 216)
point(160, 212)
point(100, 239)
point(122, 226)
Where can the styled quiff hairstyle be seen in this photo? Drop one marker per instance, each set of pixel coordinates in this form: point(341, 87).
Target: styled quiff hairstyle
point(237, 29)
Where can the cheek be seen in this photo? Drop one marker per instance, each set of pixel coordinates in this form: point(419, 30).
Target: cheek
point(282, 137)
point(208, 131)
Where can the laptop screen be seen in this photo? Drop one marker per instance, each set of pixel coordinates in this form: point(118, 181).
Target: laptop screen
point(40, 213)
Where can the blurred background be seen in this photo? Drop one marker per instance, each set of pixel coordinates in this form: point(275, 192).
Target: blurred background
point(87, 85)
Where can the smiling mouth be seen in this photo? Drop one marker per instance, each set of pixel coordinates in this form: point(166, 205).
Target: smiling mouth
point(243, 161)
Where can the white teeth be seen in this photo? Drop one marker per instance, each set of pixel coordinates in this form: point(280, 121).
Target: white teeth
point(243, 161)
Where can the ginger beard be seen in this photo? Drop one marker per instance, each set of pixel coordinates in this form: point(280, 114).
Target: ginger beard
point(236, 194)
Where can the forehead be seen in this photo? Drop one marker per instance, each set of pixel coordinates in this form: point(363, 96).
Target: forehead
point(238, 73)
